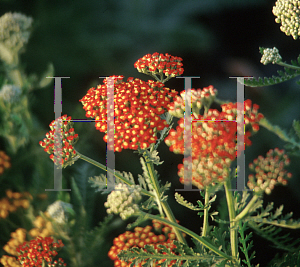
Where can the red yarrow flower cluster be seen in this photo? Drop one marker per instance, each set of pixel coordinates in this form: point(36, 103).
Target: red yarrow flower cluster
point(160, 63)
point(66, 155)
point(139, 238)
point(214, 142)
point(138, 107)
point(199, 98)
point(38, 251)
point(269, 171)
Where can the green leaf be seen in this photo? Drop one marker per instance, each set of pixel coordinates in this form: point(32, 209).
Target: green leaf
point(180, 199)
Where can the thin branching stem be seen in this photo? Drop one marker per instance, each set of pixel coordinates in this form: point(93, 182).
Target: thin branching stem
point(105, 168)
point(231, 211)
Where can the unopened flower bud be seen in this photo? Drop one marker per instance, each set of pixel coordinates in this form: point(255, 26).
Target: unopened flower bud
point(270, 55)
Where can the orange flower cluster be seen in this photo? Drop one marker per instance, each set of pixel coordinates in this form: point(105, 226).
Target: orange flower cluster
point(160, 63)
point(4, 161)
point(270, 171)
point(37, 251)
point(66, 155)
point(13, 201)
point(139, 238)
point(43, 229)
point(8, 261)
point(17, 238)
point(137, 109)
point(214, 142)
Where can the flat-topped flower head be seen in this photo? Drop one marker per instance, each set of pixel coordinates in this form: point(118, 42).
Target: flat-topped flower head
point(123, 200)
point(214, 142)
point(287, 13)
point(158, 234)
point(38, 251)
point(66, 155)
point(137, 109)
point(270, 55)
point(160, 64)
point(269, 171)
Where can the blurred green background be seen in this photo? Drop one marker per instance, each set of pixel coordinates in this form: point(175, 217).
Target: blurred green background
point(217, 39)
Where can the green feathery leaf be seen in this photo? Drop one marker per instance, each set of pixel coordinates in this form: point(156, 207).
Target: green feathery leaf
point(180, 199)
point(182, 254)
point(243, 240)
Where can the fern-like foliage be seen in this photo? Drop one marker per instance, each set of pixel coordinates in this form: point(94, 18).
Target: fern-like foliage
point(245, 244)
point(285, 221)
point(182, 255)
point(220, 239)
point(289, 260)
point(271, 233)
point(288, 74)
point(94, 240)
point(180, 199)
point(294, 134)
point(100, 181)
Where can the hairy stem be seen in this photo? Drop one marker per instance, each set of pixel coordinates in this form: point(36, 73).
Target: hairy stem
point(231, 211)
point(162, 205)
point(205, 216)
point(245, 211)
point(288, 65)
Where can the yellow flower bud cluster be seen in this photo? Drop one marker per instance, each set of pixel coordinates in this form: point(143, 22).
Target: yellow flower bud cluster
point(123, 200)
point(270, 55)
point(13, 201)
point(287, 13)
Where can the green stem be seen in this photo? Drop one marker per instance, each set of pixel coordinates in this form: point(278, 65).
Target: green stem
point(278, 131)
point(190, 233)
point(245, 211)
point(288, 65)
point(231, 211)
point(155, 186)
point(103, 167)
point(205, 216)
point(162, 205)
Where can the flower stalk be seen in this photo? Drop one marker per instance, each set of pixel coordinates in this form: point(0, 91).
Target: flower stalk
point(205, 216)
point(162, 205)
point(103, 167)
point(231, 211)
